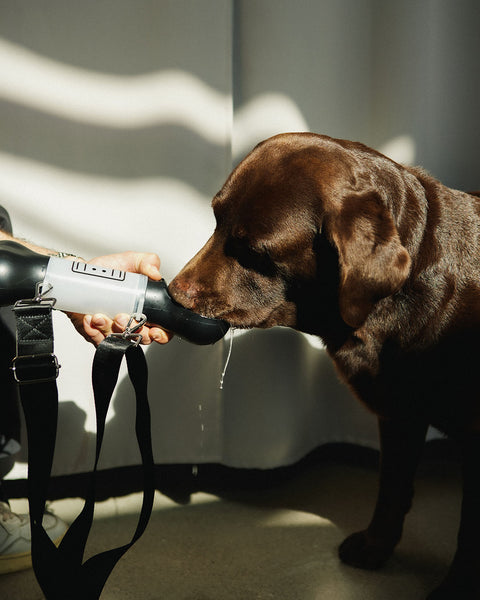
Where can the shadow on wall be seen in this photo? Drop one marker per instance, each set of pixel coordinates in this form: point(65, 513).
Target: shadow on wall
point(254, 422)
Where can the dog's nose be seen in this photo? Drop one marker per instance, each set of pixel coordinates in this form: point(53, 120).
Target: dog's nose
point(183, 292)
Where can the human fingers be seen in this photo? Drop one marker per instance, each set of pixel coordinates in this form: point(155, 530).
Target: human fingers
point(149, 334)
point(148, 264)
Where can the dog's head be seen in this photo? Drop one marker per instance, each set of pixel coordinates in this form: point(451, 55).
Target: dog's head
point(305, 224)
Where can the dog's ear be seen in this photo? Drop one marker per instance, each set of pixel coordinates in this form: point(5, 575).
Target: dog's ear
point(373, 263)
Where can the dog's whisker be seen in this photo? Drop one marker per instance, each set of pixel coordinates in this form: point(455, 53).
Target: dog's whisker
point(222, 377)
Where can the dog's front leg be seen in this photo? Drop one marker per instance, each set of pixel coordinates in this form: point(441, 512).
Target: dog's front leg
point(401, 445)
point(463, 579)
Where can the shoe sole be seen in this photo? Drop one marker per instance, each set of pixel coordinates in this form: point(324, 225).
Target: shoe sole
point(11, 563)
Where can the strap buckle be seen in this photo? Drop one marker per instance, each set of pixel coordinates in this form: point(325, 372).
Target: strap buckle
point(35, 368)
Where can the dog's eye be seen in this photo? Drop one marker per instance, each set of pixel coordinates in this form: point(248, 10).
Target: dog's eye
point(250, 258)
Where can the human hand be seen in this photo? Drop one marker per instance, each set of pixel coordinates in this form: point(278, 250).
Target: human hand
point(95, 328)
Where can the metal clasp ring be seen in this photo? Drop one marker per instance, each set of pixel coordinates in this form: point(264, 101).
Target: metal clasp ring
point(136, 322)
point(39, 298)
point(40, 292)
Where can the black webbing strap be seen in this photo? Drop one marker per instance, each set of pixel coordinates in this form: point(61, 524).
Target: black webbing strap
point(61, 572)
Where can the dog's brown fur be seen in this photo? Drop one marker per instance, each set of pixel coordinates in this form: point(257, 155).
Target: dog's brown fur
point(383, 263)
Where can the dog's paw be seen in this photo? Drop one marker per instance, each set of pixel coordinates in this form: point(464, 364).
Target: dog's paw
point(361, 552)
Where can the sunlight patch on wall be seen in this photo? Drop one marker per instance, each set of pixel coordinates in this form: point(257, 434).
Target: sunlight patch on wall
point(401, 149)
point(314, 341)
point(262, 117)
point(94, 215)
point(173, 96)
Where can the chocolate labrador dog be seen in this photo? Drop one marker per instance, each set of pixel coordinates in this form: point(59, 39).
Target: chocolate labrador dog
point(381, 261)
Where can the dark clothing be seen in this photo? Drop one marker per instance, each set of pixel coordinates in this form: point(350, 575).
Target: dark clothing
point(9, 406)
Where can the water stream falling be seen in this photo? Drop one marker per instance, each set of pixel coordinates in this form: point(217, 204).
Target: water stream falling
point(222, 377)
point(200, 407)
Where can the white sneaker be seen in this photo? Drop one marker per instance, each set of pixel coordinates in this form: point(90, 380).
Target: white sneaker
point(15, 538)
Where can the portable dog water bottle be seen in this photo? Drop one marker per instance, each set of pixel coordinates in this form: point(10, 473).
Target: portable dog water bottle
point(89, 289)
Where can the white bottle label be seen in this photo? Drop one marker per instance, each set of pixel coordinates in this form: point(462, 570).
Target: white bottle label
point(96, 271)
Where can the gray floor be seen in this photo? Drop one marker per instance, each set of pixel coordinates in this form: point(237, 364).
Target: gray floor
point(278, 543)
